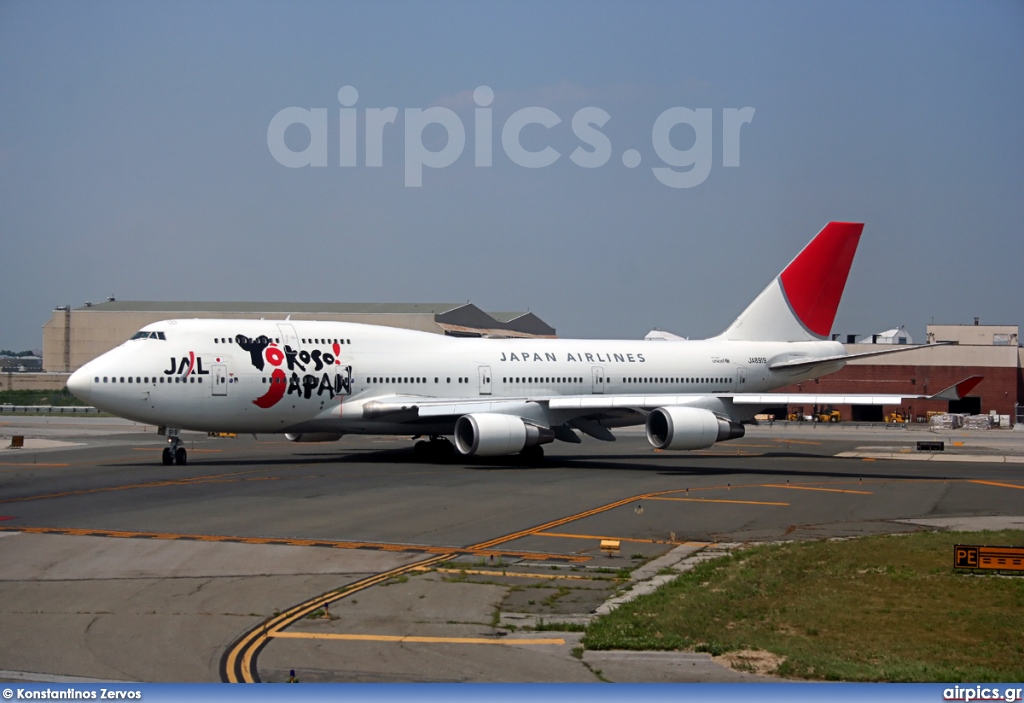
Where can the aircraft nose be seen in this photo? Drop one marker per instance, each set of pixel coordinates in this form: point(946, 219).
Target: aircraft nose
point(80, 385)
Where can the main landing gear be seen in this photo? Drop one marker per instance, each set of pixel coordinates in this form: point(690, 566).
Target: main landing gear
point(532, 456)
point(175, 452)
point(438, 448)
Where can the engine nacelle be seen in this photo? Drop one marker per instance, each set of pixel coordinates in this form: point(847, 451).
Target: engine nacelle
point(492, 434)
point(313, 436)
point(678, 427)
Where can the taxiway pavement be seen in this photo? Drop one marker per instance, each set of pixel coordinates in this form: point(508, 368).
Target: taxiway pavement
point(117, 567)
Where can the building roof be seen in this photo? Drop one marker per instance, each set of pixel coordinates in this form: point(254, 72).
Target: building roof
point(177, 306)
point(454, 318)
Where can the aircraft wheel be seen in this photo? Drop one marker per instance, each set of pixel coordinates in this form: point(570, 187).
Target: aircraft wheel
point(168, 457)
point(532, 455)
point(444, 450)
point(181, 456)
point(438, 450)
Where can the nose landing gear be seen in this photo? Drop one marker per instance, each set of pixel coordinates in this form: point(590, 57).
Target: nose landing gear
point(175, 450)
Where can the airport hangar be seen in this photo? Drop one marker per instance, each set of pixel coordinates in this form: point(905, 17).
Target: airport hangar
point(73, 337)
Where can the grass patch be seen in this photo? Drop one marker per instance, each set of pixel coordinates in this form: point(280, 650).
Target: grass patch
point(39, 397)
point(542, 626)
point(886, 608)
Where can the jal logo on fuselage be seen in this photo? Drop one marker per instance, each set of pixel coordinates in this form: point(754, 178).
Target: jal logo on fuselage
point(186, 366)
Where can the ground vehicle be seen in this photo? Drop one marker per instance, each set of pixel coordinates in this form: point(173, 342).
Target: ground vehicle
point(827, 414)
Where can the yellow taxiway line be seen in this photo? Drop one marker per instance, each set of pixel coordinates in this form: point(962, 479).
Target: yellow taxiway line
point(409, 638)
point(621, 539)
point(718, 500)
point(811, 488)
point(996, 484)
point(510, 574)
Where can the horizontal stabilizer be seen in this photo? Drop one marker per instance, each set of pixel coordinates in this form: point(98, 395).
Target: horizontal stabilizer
point(958, 391)
point(814, 361)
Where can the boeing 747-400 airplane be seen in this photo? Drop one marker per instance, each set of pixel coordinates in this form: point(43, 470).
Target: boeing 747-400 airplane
point(315, 381)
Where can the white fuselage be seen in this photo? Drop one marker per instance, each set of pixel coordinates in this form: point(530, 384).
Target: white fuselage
point(196, 374)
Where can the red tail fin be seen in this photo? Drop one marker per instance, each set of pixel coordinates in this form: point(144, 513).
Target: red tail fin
point(814, 281)
point(801, 303)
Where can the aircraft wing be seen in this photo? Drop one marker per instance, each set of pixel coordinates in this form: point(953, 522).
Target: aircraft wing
point(418, 407)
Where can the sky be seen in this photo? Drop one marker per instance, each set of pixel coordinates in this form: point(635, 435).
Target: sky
point(647, 164)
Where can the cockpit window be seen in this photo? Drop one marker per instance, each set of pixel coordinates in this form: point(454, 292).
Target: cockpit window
point(143, 334)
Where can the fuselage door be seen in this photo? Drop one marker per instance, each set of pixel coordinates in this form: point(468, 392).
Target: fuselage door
point(485, 380)
point(741, 379)
point(599, 379)
point(289, 337)
point(220, 379)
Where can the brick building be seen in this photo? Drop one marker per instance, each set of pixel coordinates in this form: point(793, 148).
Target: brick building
point(990, 351)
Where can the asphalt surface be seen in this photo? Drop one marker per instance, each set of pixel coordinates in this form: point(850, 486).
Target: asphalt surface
point(119, 568)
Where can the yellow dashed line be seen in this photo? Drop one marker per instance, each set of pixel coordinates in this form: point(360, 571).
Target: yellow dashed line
point(292, 542)
point(215, 478)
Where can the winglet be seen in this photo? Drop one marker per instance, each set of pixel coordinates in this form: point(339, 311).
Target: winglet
point(957, 391)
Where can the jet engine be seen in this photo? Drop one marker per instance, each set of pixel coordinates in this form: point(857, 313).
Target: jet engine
point(313, 436)
point(676, 427)
point(492, 434)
